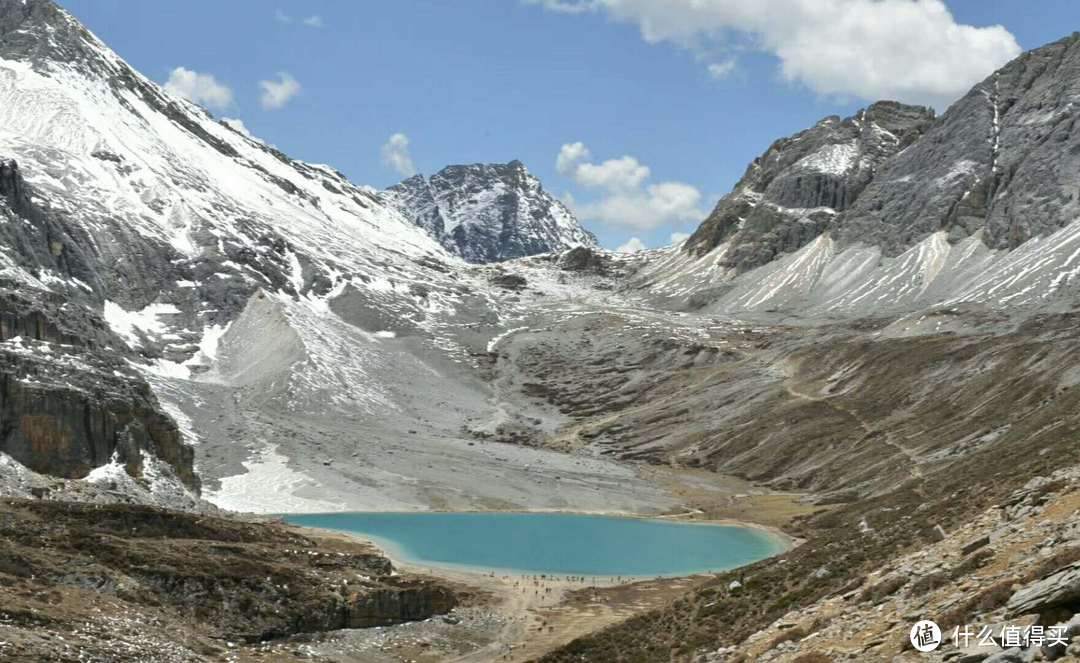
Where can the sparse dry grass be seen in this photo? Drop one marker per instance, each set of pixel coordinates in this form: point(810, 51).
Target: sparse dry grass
point(1010, 380)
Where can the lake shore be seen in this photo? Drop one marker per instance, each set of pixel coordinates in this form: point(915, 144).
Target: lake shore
point(706, 498)
point(537, 612)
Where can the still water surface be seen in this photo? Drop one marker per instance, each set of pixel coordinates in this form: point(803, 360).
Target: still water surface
point(554, 543)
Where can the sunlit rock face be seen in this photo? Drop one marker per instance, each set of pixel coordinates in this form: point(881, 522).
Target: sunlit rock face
point(489, 212)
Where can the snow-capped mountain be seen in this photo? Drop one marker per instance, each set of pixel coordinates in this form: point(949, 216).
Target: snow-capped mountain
point(156, 225)
point(187, 302)
point(488, 212)
point(976, 206)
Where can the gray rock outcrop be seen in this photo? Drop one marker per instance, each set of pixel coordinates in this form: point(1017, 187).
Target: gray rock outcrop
point(791, 193)
point(1001, 163)
point(1002, 160)
point(1061, 588)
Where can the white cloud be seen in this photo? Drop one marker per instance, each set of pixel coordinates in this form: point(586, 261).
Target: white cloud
point(565, 6)
point(652, 207)
point(395, 155)
point(722, 69)
point(614, 174)
point(908, 50)
point(625, 200)
point(633, 244)
point(679, 238)
point(313, 21)
point(570, 156)
point(199, 88)
point(278, 93)
point(238, 126)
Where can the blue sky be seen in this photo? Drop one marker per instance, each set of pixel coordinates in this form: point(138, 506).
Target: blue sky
point(670, 99)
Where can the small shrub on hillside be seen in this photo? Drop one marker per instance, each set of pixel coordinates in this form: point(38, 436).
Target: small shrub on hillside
point(788, 635)
point(988, 600)
point(929, 583)
point(1055, 562)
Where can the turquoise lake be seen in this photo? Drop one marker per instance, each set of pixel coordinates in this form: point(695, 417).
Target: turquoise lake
point(554, 543)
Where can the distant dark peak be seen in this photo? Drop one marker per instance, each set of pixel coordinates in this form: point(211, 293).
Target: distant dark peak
point(898, 118)
point(488, 212)
point(10, 180)
point(885, 109)
point(491, 169)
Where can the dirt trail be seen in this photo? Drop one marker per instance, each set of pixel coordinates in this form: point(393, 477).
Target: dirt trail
point(869, 430)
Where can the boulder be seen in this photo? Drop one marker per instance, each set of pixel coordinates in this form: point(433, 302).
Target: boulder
point(1014, 655)
point(1056, 590)
point(1052, 652)
point(972, 546)
point(508, 281)
point(583, 259)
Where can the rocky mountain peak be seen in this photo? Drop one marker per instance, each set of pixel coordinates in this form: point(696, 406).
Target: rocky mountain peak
point(488, 212)
point(135, 229)
point(893, 208)
point(791, 192)
point(1000, 163)
point(42, 33)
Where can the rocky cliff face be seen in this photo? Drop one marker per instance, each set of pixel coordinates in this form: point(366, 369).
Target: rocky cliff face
point(488, 212)
point(52, 428)
point(398, 602)
point(1002, 162)
point(69, 402)
point(792, 193)
point(894, 210)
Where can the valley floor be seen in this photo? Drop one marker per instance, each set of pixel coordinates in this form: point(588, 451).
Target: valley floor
point(888, 445)
point(523, 617)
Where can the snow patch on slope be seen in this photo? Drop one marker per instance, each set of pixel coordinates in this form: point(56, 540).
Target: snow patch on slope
point(129, 324)
point(833, 159)
point(268, 486)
